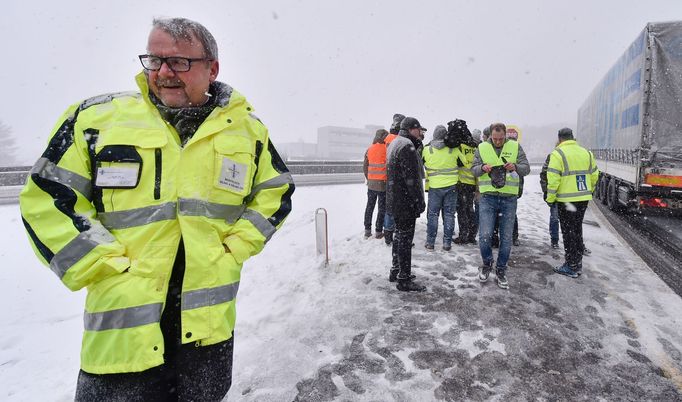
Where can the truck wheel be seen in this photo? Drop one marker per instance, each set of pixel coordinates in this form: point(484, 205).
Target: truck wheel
point(612, 197)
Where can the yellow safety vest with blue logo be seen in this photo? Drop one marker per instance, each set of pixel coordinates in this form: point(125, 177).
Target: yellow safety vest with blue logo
point(466, 176)
point(107, 204)
point(440, 166)
point(510, 152)
point(571, 174)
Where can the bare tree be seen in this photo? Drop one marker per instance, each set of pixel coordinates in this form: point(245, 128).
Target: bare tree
point(7, 146)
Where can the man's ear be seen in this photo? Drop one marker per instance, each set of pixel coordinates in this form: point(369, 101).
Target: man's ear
point(214, 68)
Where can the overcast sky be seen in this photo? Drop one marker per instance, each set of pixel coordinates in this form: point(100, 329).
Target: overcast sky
point(306, 64)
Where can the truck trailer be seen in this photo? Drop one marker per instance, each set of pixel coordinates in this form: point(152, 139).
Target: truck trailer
point(632, 122)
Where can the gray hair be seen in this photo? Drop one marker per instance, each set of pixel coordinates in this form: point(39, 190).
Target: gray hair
point(184, 29)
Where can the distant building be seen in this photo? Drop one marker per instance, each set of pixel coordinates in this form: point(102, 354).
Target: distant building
point(344, 143)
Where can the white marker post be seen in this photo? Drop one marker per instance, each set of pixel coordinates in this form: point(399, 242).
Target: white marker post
point(321, 237)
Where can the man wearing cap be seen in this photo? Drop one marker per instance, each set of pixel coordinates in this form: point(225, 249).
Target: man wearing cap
point(404, 200)
point(389, 223)
point(571, 175)
point(498, 164)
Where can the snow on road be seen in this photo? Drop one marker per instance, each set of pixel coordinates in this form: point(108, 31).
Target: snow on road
point(342, 332)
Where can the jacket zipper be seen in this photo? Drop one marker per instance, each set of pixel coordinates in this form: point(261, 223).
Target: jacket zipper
point(157, 177)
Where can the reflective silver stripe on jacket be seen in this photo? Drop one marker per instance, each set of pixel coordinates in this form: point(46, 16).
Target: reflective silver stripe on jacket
point(510, 183)
point(123, 318)
point(263, 225)
point(78, 248)
point(376, 165)
point(568, 195)
point(567, 172)
point(278, 181)
point(138, 216)
point(552, 170)
point(443, 172)
point(209, 297)
point(49, 171)
point(193, 207)
point(550, 191)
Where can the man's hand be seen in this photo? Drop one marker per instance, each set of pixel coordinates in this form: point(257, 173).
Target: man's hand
point(486, 168)
point(510, 167)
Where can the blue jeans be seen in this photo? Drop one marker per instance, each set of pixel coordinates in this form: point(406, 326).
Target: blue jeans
point(554, 223)
point(504, 209)
point(444, 199)
point(389, 222)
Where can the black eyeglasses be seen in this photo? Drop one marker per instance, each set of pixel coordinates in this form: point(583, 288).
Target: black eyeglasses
point(177, 64)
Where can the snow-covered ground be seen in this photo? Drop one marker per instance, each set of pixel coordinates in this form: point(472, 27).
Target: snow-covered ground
point(306, 331)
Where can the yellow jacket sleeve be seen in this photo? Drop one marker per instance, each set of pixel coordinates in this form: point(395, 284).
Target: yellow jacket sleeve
point(58, 215)
point(267, 206)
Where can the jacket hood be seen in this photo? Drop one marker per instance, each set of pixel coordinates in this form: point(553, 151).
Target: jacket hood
point(439, 133)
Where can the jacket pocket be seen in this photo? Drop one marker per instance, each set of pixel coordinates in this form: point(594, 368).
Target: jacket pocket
point(234, 167)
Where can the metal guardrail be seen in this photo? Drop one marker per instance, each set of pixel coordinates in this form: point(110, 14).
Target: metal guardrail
point(305, 173)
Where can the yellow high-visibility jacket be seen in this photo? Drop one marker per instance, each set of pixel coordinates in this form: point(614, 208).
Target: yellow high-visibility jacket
point(571, 174)
point(108, 202)
point(440, 166)
point(510, 153)
point(466, 176)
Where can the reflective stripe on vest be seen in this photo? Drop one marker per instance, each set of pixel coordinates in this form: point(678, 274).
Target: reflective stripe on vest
point(376, 157)
point(440, 166)
point(510, 151)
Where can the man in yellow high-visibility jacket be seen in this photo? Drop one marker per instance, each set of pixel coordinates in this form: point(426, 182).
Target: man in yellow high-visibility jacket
point(498, 164)
point(152, 201)
point(442, 173)
point(571, 176)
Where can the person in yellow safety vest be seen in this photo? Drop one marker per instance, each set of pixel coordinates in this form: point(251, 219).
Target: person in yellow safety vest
point(571, 176)
point(374, 168)
point(466, 193)
point(389, 222)
point(498, 164)
point(440, 164)
point(153, 201)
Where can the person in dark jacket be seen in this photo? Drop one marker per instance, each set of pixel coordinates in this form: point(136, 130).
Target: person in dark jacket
point(553, 209)
point(374, 168)
point(404, 200)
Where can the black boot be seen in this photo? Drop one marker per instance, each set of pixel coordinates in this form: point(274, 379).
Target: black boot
point(408, 285)
point(393, 276)
point(388, 237)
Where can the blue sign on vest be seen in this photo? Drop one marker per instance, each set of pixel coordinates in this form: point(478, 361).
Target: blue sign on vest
point(581, 182)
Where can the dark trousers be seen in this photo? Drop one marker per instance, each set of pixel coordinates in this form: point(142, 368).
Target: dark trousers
point(372, 198)
point(402, 247)
point(466, 216)
point(571, 221)
point(189, 373)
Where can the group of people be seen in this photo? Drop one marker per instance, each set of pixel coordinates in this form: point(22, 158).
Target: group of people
point(479, 179)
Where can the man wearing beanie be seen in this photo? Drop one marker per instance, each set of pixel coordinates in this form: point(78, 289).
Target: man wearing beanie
point(374, 168)
point(404, 200)
point(440, 162)
point(571, 175)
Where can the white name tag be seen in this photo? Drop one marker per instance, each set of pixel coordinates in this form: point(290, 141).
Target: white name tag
point(118, 176)
point(232, 175)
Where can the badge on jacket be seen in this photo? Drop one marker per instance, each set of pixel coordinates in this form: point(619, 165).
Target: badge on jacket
point(232, 175)
point(118, 175)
